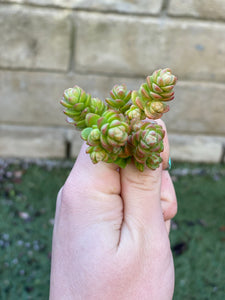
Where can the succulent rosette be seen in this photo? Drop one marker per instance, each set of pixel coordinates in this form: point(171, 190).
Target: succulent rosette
point(120, 98)
point(151, 96)
point(135, 112)
point(115, 131)
point(147, 142)
point(97, 154)
point(106, 133)
point(78, 104)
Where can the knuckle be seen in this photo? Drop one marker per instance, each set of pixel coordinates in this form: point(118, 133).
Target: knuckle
point(146, 181)
point(170, 210)
point(65, 197)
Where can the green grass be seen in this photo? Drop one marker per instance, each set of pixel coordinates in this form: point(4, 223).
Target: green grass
point(200, 233)
point(27, 204)
point(26, 242)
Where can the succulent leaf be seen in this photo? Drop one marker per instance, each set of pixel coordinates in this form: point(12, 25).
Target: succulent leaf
point(91, 119)
point(85, 133)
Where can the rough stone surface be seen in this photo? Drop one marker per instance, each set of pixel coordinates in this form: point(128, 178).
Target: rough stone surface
point(198, 148)
point(199, 9)
point(137, 46)
point(34, 38)
point(23, 141)
point(197, 108)
point(126, 6)
point(32, 98)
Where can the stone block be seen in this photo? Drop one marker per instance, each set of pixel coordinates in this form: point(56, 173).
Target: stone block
point(196, 148)
point(199, 9)
point(134, 46)
point(124, 6)
point(32, 98)
point(29, 142)
point(198, 108)
point(34, 38)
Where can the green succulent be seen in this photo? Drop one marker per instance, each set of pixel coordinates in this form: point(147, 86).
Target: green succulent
point(78, 104)
point(120, 98)
point(147, 144)
point(116, 131)
point(152, 94)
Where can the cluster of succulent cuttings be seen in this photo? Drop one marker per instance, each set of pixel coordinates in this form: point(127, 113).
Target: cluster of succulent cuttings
point(116, 130)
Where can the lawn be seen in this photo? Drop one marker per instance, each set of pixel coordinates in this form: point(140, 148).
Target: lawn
point(27, 203)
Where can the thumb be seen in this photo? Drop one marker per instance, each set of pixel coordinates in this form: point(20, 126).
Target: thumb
point(89, 204)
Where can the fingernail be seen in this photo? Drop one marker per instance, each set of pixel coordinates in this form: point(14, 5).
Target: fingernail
point(169, 164)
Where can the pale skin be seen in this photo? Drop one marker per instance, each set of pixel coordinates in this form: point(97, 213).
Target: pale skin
point(111, 230)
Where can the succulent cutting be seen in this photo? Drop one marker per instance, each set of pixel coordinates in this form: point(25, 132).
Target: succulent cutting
point(116, 131)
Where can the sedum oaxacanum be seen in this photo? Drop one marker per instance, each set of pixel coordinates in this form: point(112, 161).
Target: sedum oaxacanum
point(116, 130)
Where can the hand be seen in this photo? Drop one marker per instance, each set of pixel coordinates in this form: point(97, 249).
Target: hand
point(110, 238)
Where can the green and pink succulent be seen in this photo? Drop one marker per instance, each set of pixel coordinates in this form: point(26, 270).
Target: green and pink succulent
point(116, 131)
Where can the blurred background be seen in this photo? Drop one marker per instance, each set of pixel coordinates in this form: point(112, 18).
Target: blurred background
point(50, 45)
point(47, 46)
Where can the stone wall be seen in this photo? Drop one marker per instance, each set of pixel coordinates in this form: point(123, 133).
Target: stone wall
point(49, 45)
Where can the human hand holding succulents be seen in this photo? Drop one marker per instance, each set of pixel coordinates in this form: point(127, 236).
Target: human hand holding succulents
point(111, 226)
point(116, 131)
point(111, 232)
